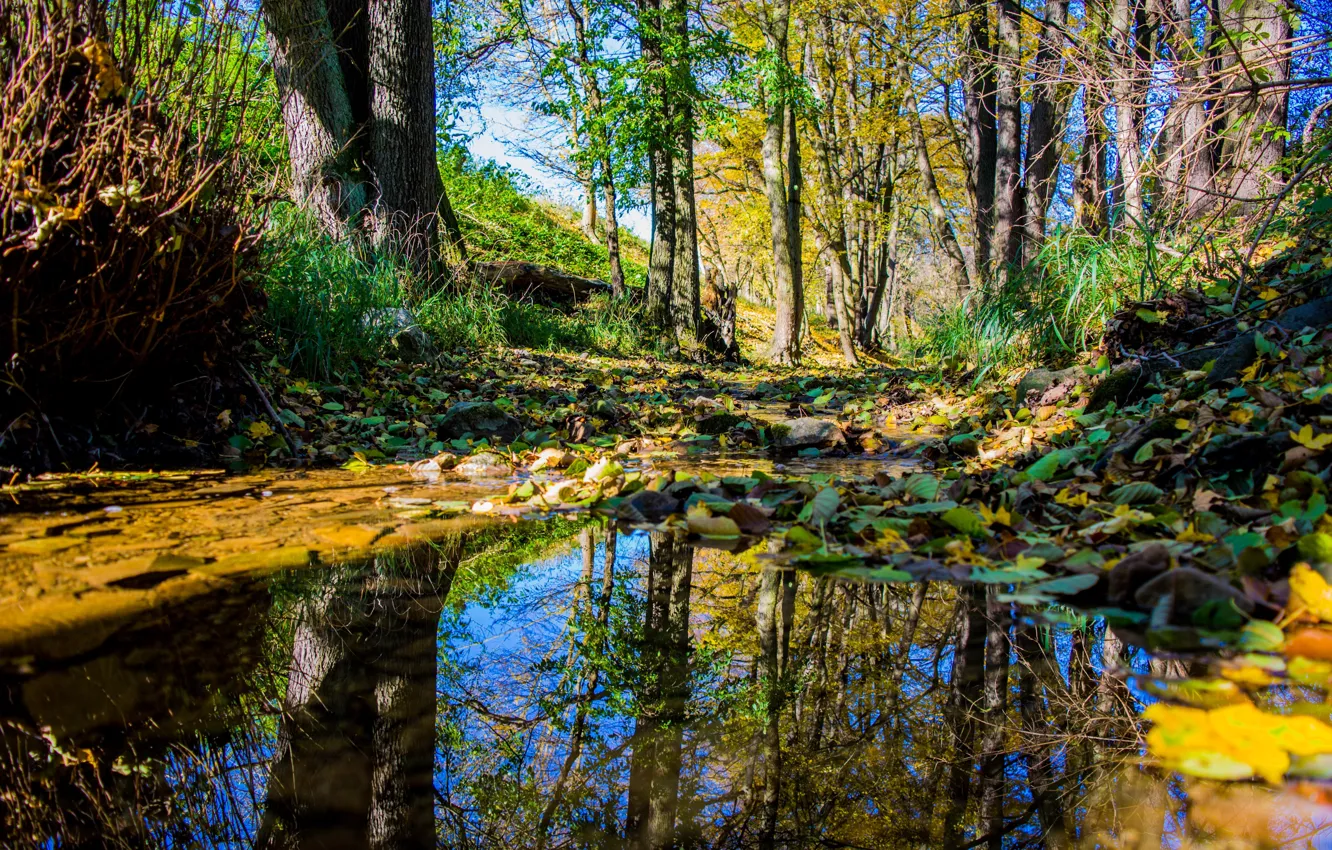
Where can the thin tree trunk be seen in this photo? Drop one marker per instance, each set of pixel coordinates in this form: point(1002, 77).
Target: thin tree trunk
point(589, 222)
point(1123, 61)
point(612, 231)
point(943, 228)
point(1008, 139)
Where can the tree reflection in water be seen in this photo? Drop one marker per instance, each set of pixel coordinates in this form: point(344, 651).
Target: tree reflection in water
point(615, 692)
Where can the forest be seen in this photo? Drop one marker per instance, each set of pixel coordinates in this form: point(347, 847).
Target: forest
point(767, 423)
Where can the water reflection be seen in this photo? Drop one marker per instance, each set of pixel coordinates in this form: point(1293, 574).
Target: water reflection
point(608, 691)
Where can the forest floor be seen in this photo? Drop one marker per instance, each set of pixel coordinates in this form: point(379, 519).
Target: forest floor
point(1173, 482)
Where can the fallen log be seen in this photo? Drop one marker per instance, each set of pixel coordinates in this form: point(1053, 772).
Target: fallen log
point(543, 284)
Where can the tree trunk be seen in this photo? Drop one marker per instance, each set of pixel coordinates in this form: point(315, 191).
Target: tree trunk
point(982, 138)
point(662, 256)
point(1089, 196)
point(1044, 128)
point(589, 222)
point(943, 228)
point(1258, 36)
point(1008, 144)
point(316, 113)
point(777, 140)
point(612, 231)
point(1124, 66)
point(684, 266)
point(402, 125)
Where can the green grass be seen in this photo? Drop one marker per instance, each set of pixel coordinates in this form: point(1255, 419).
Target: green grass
point(501, 221)
point(327, 303)
point(1051, 311)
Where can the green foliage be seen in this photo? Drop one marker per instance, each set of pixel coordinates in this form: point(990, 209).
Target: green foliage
point(1053, 309)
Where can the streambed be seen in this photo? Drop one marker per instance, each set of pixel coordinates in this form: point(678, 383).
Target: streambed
point(302, 659)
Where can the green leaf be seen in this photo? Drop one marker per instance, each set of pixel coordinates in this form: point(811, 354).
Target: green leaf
point(1045, 468)
point(1261, 636)
point(332, 405)
point(964, 520)
point(923, 487)
point(1136, 493)
point(824, 506)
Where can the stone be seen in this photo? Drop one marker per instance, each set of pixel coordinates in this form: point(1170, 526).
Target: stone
point(403, 333)
point(479, 419)
point(1125, 383)
point(647, 506)
point(1188, 590)
point(484, 464)
point(807, 432)
point(1040, 380)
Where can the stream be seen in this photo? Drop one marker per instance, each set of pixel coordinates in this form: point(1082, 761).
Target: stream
point(307, 660)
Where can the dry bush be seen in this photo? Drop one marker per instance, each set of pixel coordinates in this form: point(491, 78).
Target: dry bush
point(124, 226)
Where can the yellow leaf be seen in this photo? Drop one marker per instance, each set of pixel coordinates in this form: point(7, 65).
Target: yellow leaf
point(1310, 592)
point(1068, 497)
point(1307, 438)
point(1268, 293)
point(1251, 371)
point(1241, 416)
point(259, 429)
point(1193, 535)
point(1001, 516)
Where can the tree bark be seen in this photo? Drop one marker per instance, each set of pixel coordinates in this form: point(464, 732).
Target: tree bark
point(982, 133)
point(402, 104)
point(1258, 36)
point(662, 255)
point(1125, 70)
point(316, 113)
point(1008, 139)
point(1044, 129)
point(777, 185)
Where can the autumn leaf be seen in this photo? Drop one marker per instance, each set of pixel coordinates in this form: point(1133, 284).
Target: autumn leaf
point(1306, 437)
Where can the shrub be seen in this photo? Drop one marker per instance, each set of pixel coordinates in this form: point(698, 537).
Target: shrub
point(124, 235)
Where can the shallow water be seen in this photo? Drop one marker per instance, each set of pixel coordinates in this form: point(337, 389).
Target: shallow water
point(300, 661)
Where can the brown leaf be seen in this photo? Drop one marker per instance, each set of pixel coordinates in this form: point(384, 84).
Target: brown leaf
point(750, 519)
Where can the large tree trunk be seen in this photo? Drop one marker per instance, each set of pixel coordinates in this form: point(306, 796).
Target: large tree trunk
point(317, 114)
point(787, 291)
point(1008, 144)
point(402, 104)
point(1044, 129)
point(662, 257)
point(684, 266)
